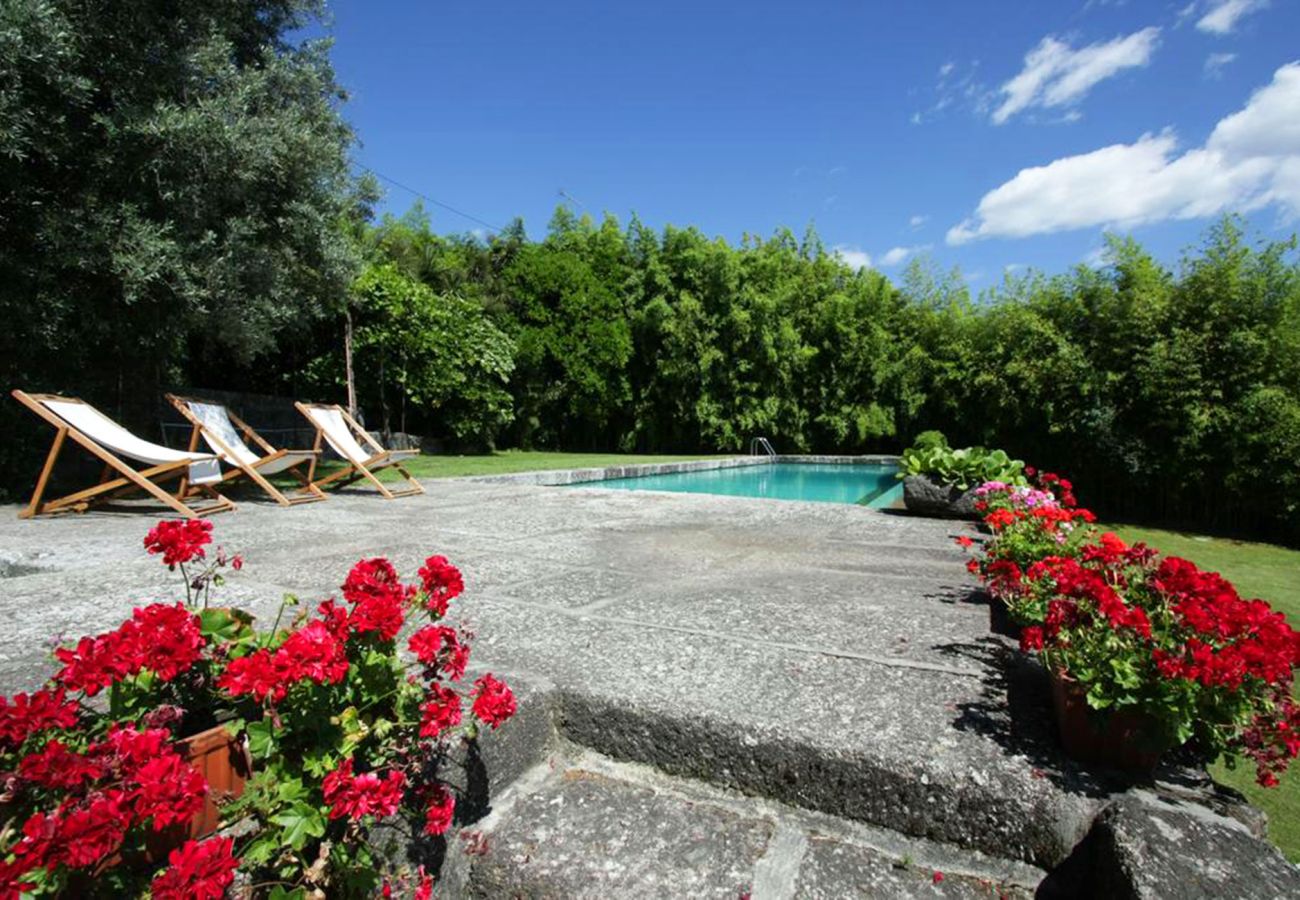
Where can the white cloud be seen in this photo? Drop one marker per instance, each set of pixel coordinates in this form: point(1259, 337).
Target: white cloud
point(858, 259)
point(956, 86)
point(897, 255)
point(1223, 15)
point(1056, 75)
point(1215, 62)
point(1251, 159)
point(918, 220)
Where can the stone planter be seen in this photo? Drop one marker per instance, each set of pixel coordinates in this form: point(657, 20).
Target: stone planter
point(1127, 740)
point(924, 496)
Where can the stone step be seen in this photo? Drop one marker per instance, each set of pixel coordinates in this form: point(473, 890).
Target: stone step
point(581, 825)
point(542, 814)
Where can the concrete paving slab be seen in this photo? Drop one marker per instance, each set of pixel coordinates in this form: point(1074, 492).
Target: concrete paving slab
point(809, 652)
point(885, 616)
point(833, 870)
point(588, 837)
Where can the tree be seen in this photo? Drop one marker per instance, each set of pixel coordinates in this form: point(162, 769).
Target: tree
point(173, 188)
point(428, 361)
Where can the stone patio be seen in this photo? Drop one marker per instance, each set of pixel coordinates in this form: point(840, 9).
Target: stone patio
point(798, 660)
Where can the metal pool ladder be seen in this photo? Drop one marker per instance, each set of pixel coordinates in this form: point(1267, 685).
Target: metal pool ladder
point(761, 444)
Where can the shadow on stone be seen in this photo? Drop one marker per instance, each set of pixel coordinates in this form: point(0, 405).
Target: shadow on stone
point(1013, 709)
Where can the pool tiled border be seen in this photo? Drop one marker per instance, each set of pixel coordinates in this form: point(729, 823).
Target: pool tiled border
point(607, 473)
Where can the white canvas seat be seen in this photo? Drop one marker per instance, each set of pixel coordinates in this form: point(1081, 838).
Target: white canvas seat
point(224, 432)
point(338, 429)
point(114, 445)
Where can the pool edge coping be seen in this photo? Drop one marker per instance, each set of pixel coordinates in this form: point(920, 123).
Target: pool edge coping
point(558, 477)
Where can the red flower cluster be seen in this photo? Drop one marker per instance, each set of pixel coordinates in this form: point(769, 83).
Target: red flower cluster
point(1074, 582)
point(197, 871)
point(164, 639)
point(1273, 741)
point(27, 714)
point(441, 712)
point(440, 647)
point(440, 809)
point(1234, 639)
point(312, 653)
point(58, 768)
point(125, 780)
point(378, 598)
point(493, 701)
point(356, 796)
point(442, 583)
point(179, 540)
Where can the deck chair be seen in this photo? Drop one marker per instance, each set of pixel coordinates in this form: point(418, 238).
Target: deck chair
point(340, 431)
point(220, 429)
point(114, 445)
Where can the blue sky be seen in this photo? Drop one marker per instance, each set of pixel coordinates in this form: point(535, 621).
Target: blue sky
point(988, 135)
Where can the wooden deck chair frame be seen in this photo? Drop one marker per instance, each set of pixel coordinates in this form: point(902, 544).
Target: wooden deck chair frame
point(358, 468)
point(128, 478)
point(242, 469)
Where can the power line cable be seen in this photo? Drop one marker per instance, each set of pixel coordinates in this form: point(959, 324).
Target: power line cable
point(423, 196)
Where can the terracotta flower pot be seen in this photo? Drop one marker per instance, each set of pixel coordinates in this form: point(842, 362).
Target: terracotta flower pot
point(223, 761)
point(1126, 740)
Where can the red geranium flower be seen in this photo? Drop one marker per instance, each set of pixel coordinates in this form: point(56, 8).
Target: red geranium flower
point(438, 645)
point(442, 583)
point(179, 540)
point(88, 833)
point(27, 714)
point(1031, 638)
point(424, 886)
point(55, 766)
point(441, 712)
point(312, 652)
point(168, 790)
point(356, 796)
point(493, 701)
point(255, 674)
point(165, 639)
point(440, 810)
point(198, 871)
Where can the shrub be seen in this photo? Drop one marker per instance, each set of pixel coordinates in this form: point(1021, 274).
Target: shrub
point(963, 468)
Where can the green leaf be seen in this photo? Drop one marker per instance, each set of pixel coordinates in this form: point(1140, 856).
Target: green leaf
point(261, 738)
point(300, 823)
point(224, 625)
point(279, 893)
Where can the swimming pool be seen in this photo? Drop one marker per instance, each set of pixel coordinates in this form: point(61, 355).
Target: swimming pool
point(864, 484)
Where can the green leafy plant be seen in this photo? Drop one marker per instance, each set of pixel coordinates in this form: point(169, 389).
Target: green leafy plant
point(964, 468)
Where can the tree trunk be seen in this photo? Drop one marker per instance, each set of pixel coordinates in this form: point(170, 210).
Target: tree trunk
point(347, 363)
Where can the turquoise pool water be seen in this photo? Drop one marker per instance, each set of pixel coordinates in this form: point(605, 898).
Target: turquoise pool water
point(866, 484)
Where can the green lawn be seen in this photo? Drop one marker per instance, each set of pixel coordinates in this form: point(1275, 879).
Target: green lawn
point(1258, 570)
